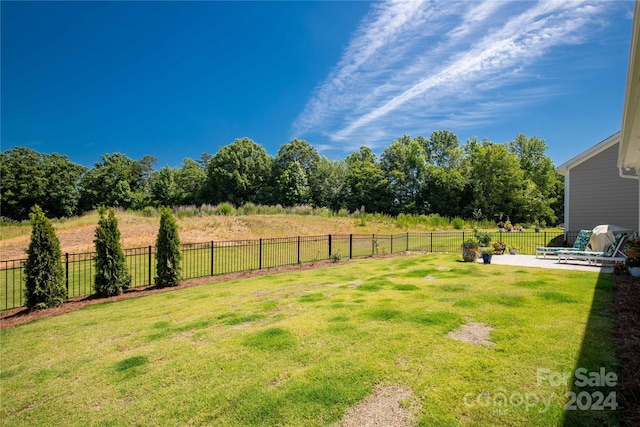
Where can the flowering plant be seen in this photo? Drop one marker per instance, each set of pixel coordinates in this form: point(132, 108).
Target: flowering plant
point(499, 247)
point(619, 268)
point(470, 244)
point(633, 248)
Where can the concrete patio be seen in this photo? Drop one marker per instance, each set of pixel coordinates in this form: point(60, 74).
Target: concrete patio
point(549, 262)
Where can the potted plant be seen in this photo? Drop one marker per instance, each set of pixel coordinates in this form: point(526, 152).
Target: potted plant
point(499, 248)
point(483, 238)
point(487, 253)
point(513, 250)
point(619, 268)
point(469, 250)
point(633, 264)
point(508, 225)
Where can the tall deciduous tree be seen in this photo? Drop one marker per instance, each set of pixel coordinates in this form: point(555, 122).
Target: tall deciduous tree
point(164, 189)
point(190, 178)
point(365, 184)
point(295, 178)
point(539, 169)
point(237, 172)
point(28, 177)
point(497, 181)
point(167, 250)
point(292, 186)
point(443, 149)
point(112, 276)
point(43, 270)
point(445, 189)
point(117, 181)
point(328, 182)
point(298, 150)
point(403, 165)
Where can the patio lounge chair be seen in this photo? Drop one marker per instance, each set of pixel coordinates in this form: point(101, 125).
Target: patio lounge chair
point(613, 254)
point(582, 239)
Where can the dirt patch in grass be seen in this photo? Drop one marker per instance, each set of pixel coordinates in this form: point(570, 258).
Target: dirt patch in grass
point(473, 333)
point(625, 307)
point(387, 406)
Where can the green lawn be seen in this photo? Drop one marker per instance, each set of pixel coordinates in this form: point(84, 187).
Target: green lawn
point(244, 255)
point(301, 348)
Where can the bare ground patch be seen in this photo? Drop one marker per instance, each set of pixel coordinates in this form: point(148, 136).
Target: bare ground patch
point(473, 333)
point(387, 406)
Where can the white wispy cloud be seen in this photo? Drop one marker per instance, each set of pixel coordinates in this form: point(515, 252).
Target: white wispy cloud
point(416, 64)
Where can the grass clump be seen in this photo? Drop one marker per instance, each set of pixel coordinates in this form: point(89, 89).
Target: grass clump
point(382, 314)
point(225, 209)
point(271, 339)
point(557, 297)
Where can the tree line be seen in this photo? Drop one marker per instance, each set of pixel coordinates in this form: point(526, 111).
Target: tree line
point(417, 175)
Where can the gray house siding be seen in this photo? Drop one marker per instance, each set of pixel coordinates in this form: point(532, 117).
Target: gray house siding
point(598, 195)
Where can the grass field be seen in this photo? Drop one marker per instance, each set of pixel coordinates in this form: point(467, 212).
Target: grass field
point(77, 234)
point(215, 258)
point(302, 348)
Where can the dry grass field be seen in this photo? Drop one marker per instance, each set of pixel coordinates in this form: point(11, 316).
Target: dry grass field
point(76, 235)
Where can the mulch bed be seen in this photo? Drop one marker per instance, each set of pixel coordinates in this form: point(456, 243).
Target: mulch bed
point(626, 335)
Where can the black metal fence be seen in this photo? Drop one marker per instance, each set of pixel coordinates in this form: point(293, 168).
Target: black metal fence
point(221, 257)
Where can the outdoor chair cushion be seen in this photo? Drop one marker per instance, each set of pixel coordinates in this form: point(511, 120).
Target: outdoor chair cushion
point(582, 239)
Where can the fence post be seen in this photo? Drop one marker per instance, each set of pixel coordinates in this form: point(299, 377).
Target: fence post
point(66, 266)
point(391, 244)
point(545, 238)
point(298, 249)
point(212, 260)
point(329, 245)
point(150, 281)
point(350, 246)
point(260, 254)
point(431, 241)
point(373, 244)
point(407, 241)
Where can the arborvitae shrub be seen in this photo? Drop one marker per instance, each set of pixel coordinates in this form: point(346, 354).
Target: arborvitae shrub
point(112, 276)
point(167, 250)
point(45, 285)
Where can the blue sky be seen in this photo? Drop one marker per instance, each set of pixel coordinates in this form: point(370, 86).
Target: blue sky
point(175, 79)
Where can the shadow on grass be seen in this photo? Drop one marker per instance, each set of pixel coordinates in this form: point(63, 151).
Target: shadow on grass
point(592, 399)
